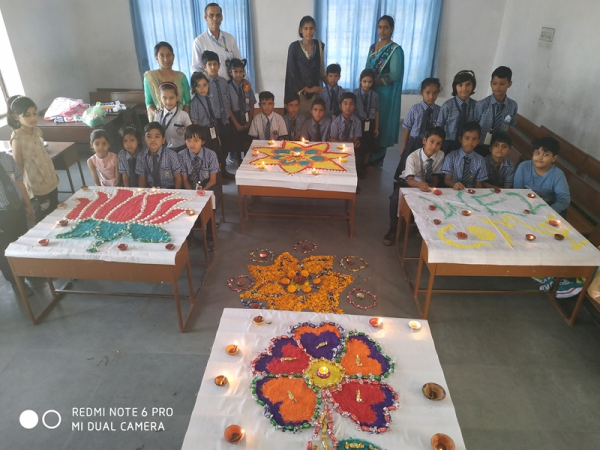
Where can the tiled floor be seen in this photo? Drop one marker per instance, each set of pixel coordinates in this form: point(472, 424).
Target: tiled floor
point(520, 377)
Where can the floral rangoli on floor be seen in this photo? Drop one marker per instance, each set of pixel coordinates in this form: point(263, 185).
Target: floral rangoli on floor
point(292, 285)
point(126, 212)
point(317, 369)
point(294, 157)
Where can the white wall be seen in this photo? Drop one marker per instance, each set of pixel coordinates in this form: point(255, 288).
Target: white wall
point(555, 84)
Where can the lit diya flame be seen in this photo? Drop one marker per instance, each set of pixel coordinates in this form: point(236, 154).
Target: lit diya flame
point(261, 166)
point(221, 380)
point(190, 212)
point(262, 255)
point(471, 191)
point(376, 322)
point(296, 154)
point(258, 320)
point(314, 171)
point(323, 372)
point(254, 153)
point(530, 237)
point(554, 223)
point(414, 325)
point(270, 142)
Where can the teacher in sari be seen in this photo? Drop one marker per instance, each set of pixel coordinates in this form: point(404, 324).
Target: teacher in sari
point(163, 53)
point(305, 69)
point(386, 59)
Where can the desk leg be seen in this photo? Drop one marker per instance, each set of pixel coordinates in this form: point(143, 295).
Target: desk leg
point(214, 230)
point(406, 230)
point(432, 270)
point(177, 303)
point(241, 212)
point(23, 295)
point(588, 280)
point(80, 173)
point(203, 225)
point(70, 180)
point(351, 218)
point(417, 281)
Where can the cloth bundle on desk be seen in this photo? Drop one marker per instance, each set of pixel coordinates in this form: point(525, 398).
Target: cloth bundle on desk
point(66, 109)
point(94, 116)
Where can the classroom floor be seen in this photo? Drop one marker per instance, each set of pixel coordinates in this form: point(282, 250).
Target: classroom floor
point(520, 377)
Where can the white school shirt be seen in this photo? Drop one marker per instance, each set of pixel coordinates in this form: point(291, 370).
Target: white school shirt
point(175, 132)
point(416, 164)
point(278, 128)
point(226, 47)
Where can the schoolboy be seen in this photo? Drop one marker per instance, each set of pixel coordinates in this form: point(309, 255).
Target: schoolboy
point(173, 119)
point(293, 120)
point(268, 125)
point(464, 168)
point(496, 112)
point(500, 169)
point(317, 128)
point(348, 128)
point(543, 177)
point(158, 166)
point(422, 171)
point(199, 165)
point(332, 92)
point(15, 208)
point(220, 102)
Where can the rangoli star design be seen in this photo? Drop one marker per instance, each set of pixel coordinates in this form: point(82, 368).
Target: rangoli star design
point(290, 385)
point(294, 157)
point(124, 213)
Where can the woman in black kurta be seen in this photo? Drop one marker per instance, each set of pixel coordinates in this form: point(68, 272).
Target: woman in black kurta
point(305, 66)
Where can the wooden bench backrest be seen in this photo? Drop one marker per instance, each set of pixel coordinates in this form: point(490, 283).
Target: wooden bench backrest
point(102, 97)
point(528, 128)
point(573, 155)
point(590, 171)
point(584, 196)
point(521, 143)
point(128, 96)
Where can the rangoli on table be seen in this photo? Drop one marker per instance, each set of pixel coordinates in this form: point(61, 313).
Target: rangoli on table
point(292, 285)
point(289, 383)
point(294, 157)
point(126, 212)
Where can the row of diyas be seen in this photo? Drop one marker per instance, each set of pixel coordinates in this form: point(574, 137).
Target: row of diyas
point(234, 433)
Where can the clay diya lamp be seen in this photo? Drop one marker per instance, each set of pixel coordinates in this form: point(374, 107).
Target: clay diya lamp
point(376, 322)
point(61, 206)
point(466, 212)
point(258, 320)
point(530, 237)
point(554, 222)
point(296, 154)
point(84, 188)
point(262, 255)
point(414, 325)
point(531, 195)
point(234, 434)
point(323, 372)
point(434, 391)
point(232, 349)
point(241, 282)
point(270, 142)
point(471, 191)
point(255, 306)
point(44, 242)
point(200, 193)
point(122, 247)
point(221, 380)
point(343, 160)
point(350, 261)
point(558, 237)
point(170, 246)
point(432, 207)
point(497, 190)
point(300, 280)
point(526, 211)
point(254, 153)
point(63, 223)
point(462, 235)
point(437, 221)
point(190, 212)
point(341, 147)
point(441, 441)
point(437, 191)
point(314, 171)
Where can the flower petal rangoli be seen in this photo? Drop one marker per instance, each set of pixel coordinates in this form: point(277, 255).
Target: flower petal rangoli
point(317, 369)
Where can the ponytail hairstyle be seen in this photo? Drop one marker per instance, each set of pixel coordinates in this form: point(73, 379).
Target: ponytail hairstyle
point(17, 106)
point(435, 81)
point(233, 63)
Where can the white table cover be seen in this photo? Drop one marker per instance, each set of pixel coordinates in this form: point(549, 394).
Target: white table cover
point(273, 176)
point(413, 424)
point(496, 229)
point(27, 246)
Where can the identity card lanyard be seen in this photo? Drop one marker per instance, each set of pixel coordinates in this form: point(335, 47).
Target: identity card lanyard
point(367, 106)
point(224, 45)
point(170, 120)
point(209, 113)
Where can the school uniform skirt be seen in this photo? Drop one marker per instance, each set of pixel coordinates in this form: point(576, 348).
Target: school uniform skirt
point(240, 141)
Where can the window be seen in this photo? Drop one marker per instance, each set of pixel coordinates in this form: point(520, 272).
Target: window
point(10, 81)
point(349, 27)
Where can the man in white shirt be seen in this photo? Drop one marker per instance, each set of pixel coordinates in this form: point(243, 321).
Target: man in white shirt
point(220, 42)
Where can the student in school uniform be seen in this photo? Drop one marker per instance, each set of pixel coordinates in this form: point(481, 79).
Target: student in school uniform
point(332, 92)
point(242, 108)
point(347, 128)
point(458, 110)
point(199, 165)
point(367, 110)
point(423, 170)
point(419, 118)
point(317, 128)
point(496, 113)
point(293, 120)
point(465, 168)
point(158, 166)
point(173, 119)
point(268, 125)
point(220, 103)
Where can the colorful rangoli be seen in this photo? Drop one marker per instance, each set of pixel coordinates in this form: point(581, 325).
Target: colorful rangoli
point(294, 157)
point(317, 369)
point(290, 285)
point(126, 212)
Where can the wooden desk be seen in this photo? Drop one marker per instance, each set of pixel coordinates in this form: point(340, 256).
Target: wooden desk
point(63, 155)
point(77, 132)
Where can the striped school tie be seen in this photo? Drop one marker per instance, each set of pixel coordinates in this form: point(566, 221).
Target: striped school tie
point(467, 176)
point(462, 119)
point(268, 130)
point(429, 171)
point(293, 127)
point(346, 136)
point(425, 122)
point(196, 168)
point(498, 119)
point(318, 135)
point(221, 101)
point(242, 105)
point(155, 171)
